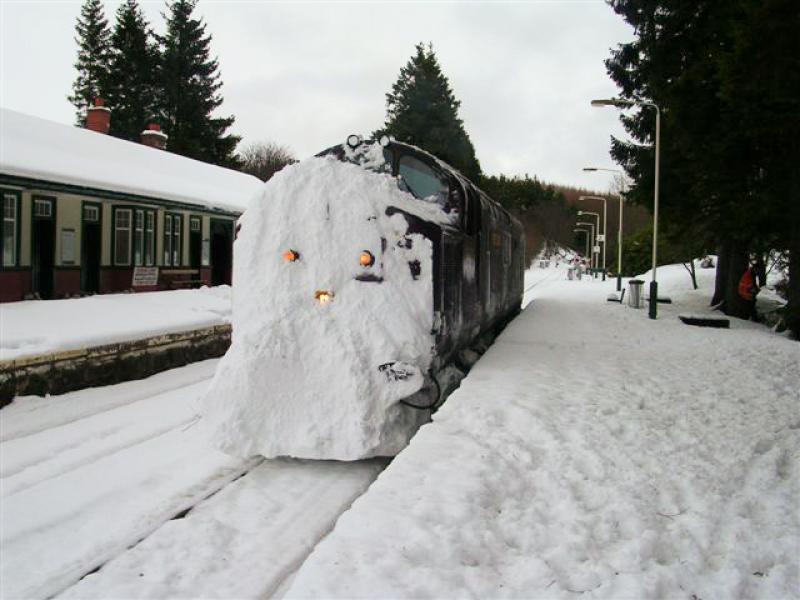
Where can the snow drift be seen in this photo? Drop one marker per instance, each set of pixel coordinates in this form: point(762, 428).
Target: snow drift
point(302, 377)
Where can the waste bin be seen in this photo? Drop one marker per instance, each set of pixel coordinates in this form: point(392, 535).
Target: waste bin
point(635, 296)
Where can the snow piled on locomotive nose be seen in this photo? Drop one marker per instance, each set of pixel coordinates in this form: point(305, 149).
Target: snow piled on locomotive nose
point(301, 377)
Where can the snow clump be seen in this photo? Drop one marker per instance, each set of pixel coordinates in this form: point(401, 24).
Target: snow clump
point(302, 377)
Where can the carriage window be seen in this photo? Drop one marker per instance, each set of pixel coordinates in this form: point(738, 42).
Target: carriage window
point(421, 180)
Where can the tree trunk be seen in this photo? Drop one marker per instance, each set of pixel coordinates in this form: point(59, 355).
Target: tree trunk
point(689, 266)
point(735, 305)
point(721, 277)
point(793, 305)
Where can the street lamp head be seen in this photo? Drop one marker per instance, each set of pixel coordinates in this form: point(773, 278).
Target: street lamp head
point(618, 102)
point(590, 168)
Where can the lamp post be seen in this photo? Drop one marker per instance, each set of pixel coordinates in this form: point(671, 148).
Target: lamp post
point(585, 236)
point(619, 232)
point(596, 242)
point(605, 226)
point(620, 103)
point(591, 256)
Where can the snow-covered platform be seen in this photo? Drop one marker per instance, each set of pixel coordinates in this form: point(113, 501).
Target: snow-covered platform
point(37, 327)
point(591, 450)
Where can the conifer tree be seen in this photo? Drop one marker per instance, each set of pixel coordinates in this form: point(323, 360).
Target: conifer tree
point(93, 53)
point(191, 86)
point(422, 110)
point(132, 87)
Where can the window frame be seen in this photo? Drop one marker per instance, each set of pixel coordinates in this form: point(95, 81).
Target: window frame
point(116, 210)
point(442, 195)
point(139, 237)
point(171, 232)
point(17, 195)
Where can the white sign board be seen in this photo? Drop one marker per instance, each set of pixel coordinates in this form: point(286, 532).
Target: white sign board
point(143, 276)
point(596, 249)
point(601, 237)
point(205, 259)
point(67, 246)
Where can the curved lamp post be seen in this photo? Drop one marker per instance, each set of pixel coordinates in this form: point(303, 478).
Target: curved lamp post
point(605, 226)
point(619, 232)
point(585, 236)
point(620, 103)
point(595, 243)
point(591, 256)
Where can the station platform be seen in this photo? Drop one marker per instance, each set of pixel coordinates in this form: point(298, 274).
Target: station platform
point(56, 346)
point(590, 450)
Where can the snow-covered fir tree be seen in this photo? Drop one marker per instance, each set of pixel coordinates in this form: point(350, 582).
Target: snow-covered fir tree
point(191, 86)
point(132, 86)
point(93, 51)
point(422, 110)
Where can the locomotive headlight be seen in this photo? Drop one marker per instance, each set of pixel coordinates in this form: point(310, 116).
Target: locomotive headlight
point(366, 259)
point(324, 297)
point(291, 256)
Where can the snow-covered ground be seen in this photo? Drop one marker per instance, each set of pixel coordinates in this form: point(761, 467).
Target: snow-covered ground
point(591, 451)
point(86, 476)
point(37, 327)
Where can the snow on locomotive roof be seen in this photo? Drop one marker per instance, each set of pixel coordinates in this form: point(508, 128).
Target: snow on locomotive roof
point(39, 149)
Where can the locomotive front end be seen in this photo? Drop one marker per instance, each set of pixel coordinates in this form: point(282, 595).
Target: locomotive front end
point(332, 316)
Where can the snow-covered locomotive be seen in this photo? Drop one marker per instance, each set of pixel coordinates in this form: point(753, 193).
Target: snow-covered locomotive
point(360, 278)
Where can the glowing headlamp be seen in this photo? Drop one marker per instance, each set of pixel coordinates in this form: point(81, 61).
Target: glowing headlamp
point(323, 297)
point(366, 259)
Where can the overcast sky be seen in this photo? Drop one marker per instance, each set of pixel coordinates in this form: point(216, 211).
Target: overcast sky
point(307, 74)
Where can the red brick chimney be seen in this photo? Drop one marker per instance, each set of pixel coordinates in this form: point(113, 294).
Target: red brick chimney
point(154, 137)
point(98, 117)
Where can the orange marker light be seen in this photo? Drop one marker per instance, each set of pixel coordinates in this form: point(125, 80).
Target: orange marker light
point(324, 297)
point(291, 256)
point(366, 259)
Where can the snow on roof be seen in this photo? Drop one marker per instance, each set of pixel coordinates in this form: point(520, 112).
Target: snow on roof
point(39, 149)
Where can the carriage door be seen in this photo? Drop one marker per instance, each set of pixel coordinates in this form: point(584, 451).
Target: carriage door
point(195, 243)
point(43, 249)
point(90, 248)
point(472, 256)
point(221, 251)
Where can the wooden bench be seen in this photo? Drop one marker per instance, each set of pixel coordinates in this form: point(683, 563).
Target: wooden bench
point(179, 284)
point(706, 321)
point(615, 298)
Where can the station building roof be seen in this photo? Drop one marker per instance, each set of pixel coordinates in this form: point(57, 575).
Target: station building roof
point(39, 150)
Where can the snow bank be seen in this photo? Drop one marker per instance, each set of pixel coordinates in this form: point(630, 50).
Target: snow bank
point(302, 375)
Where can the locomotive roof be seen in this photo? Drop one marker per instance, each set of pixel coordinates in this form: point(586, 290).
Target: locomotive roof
point(493, 204)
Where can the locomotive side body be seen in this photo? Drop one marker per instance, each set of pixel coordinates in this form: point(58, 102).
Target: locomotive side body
point(477, 257)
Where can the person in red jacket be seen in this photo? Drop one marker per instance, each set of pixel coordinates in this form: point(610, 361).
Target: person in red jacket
point(748, 290)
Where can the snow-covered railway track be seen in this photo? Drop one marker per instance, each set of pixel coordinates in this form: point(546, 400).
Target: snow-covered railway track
point(120, 481)
point(246, 541)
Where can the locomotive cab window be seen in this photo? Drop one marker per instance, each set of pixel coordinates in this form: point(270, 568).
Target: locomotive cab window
point(422, 180)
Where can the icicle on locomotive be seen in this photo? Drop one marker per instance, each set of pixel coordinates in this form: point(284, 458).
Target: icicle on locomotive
point(361, 277)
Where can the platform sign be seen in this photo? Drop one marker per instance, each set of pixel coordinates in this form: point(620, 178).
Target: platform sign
point(67, 246)
point(143, 276)
point(601, 237)
point(596, 249)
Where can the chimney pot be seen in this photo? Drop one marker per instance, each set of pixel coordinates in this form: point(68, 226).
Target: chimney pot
point(153, 136)
point(98, 116)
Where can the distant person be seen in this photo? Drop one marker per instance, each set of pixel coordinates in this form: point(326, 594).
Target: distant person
point(748, 290)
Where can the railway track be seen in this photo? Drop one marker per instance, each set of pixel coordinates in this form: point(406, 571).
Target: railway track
point(113, 492)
